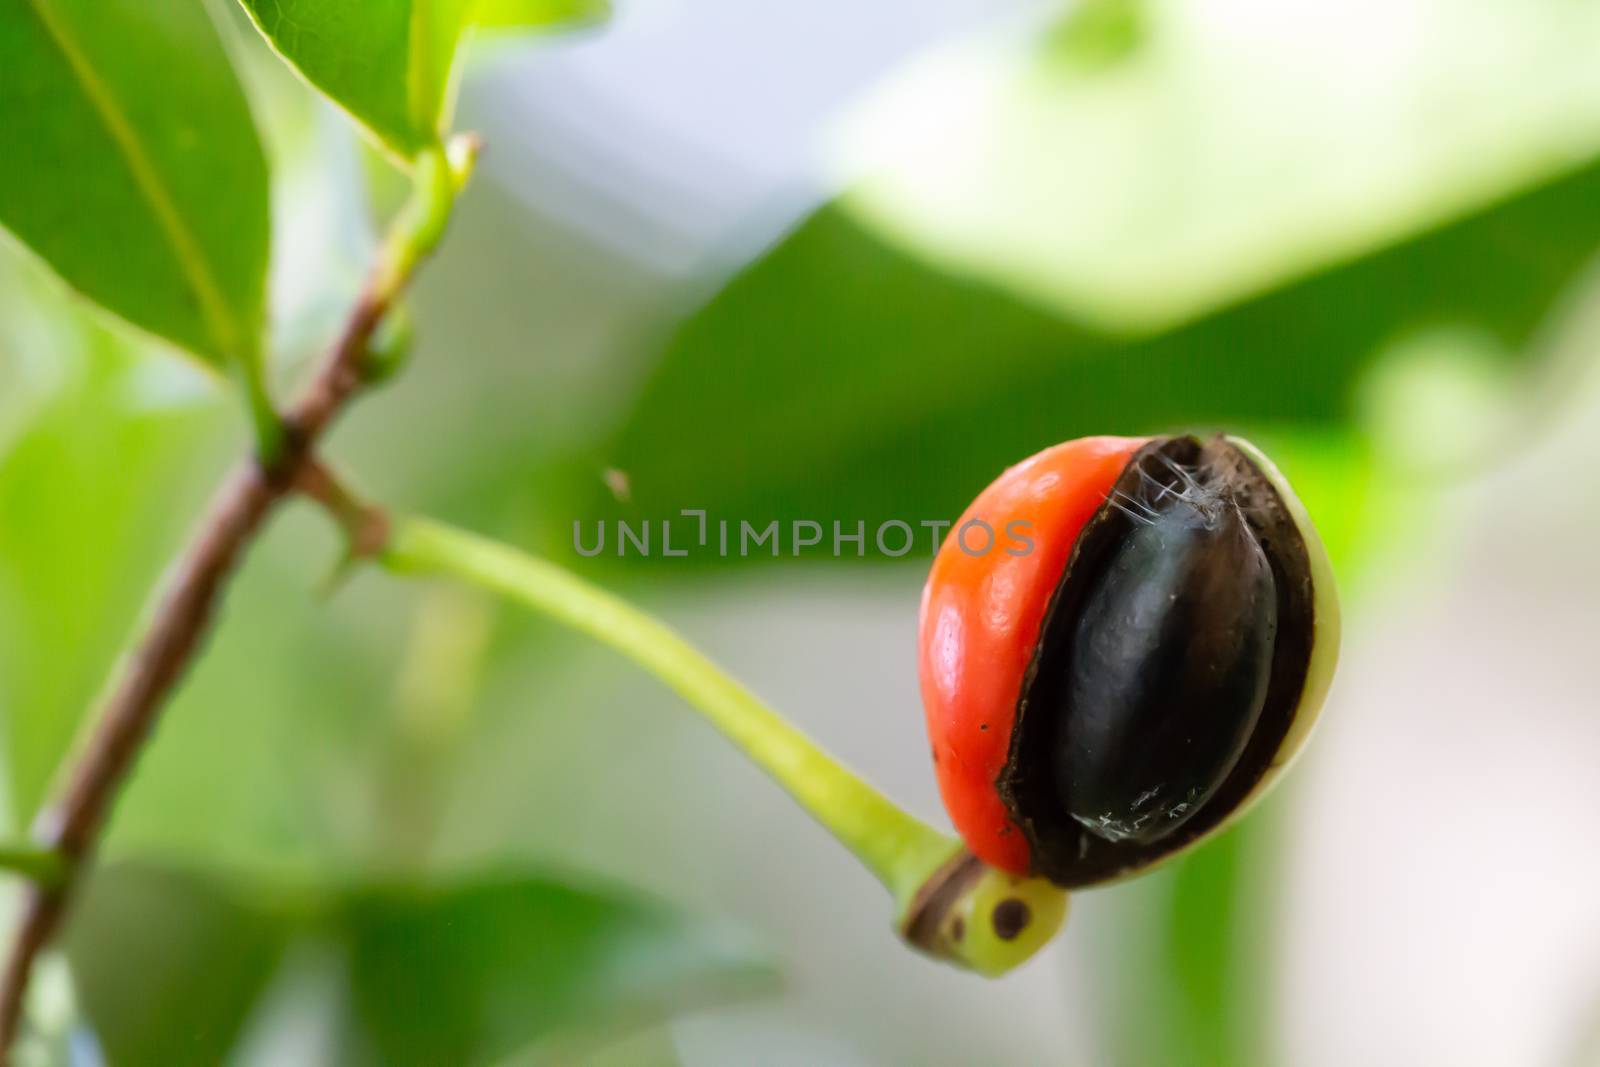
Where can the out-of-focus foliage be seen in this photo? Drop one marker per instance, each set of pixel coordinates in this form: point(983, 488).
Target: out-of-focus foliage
point(393, 65)
point(471, 973)
point(103, 459)
point(134, 167)
point(852, 380)
point(171, 961)
point(1098, 34)
point(1146, 161)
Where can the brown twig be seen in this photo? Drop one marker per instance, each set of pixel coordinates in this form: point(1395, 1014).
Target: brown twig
point(71, 824)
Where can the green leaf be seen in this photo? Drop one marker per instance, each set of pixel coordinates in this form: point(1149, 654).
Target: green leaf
point(516, 15)
point(387, 62)
point(648, 1048)
point(392, 63)
point(133, 167)
point(1215, 979)
point(169, 962)
point(1098, 34)
point(98, 481)
point(472, 973)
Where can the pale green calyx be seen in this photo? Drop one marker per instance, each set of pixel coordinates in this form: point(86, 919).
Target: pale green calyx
point(976, 916)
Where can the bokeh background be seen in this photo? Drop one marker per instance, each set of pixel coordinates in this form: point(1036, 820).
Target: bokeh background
point(847, 261)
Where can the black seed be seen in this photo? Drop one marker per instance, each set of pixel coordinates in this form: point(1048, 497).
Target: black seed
point(1181, 515)
point(1010, 917)
point(1170, 660)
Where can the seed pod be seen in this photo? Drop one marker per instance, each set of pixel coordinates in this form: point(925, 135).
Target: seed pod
point(1132, 661)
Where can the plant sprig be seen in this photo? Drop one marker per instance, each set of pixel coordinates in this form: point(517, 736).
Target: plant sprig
point(69, 827)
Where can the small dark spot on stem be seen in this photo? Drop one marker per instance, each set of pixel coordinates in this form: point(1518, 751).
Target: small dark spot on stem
point(958, 928)
point(1010, 917)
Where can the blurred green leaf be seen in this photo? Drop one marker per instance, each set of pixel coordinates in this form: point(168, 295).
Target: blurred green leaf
point(169, 963)
point(97, 483)
point(648, 1048)
point(469, 974)
point(392, 63)
point(1148, 162)
point(1190, 946)
point(1098, 34)
point(840, 378)
point(1215, 983)
point(133, 167)
point(539, 14)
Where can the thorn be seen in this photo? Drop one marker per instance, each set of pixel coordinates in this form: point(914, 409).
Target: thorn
point(365, 527)
point(329, 585)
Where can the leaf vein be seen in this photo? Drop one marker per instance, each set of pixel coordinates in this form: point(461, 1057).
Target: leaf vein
point(191, 258)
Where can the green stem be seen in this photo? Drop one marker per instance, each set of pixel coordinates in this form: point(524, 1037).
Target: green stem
point(264, 418)
point(41, 865)
point(948, 903)
point(901, 850)
point(437, 174)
